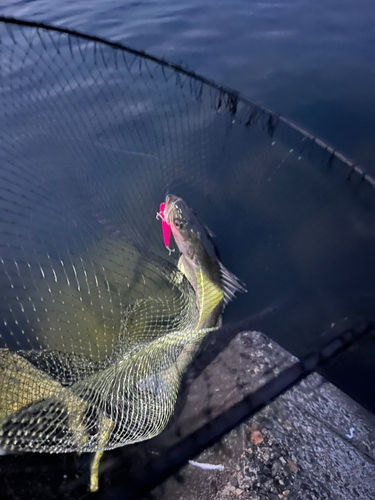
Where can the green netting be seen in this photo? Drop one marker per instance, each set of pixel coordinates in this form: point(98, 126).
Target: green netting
point(97, 328)
point(97, 323)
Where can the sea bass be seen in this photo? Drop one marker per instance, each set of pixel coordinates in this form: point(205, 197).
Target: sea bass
point(214, 285)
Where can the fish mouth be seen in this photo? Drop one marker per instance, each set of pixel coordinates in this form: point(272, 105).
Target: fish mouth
point(170, 201)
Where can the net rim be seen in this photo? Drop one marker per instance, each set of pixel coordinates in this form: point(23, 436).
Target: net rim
point(233, 96)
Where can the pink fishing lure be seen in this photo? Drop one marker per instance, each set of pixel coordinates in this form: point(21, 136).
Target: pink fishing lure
point(166, 227)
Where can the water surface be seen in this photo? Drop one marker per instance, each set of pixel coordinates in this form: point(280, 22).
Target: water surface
point(312, 61)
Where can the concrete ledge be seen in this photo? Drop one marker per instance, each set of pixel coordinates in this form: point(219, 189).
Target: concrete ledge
point(312, 443)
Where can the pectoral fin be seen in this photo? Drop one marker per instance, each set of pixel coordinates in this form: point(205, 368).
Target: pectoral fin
point(231, 284)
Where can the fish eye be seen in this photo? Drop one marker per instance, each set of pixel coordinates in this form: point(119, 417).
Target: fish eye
point(178, 223)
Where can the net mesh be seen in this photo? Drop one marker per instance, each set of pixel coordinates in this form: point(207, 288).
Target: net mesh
point(98, 325)
point(96, 328)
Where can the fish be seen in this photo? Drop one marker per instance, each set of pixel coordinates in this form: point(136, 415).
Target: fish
point(213, 284)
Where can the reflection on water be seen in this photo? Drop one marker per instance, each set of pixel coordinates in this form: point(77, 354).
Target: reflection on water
point(311, 61)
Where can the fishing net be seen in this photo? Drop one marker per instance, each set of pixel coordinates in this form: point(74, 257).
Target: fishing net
point(98, 325)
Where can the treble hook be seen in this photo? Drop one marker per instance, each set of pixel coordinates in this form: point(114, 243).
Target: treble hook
point(170, 250)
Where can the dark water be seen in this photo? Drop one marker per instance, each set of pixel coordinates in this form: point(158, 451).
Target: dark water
point(312, 61)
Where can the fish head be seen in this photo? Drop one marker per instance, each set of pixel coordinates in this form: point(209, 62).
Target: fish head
point(186, 229)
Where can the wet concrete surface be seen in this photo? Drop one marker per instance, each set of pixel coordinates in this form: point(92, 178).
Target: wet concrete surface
point(313, 442)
